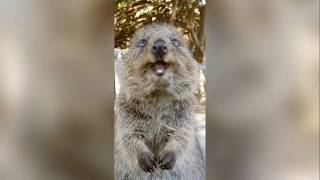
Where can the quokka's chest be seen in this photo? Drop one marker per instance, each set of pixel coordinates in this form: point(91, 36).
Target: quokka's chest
point(158, 135)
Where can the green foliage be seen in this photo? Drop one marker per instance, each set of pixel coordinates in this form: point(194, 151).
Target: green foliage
point(187, 15)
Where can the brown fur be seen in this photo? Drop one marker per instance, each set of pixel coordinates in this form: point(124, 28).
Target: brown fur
point(154, 121)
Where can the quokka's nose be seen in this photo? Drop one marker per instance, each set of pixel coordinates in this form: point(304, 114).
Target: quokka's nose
point(159, 49)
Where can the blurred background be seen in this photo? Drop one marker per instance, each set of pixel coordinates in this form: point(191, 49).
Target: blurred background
point(262, 89)
point(57, 87)
point(260, 59)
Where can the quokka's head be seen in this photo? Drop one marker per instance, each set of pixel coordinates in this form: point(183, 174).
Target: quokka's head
point(159, 62)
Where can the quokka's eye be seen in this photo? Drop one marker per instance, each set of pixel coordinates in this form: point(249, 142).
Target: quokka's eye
point(142, 42)
point(175, 42)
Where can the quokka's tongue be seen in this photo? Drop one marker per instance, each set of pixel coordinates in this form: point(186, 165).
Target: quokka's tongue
point(160, 68)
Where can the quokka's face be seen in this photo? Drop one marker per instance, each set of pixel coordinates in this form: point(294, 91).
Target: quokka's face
point(159, 59)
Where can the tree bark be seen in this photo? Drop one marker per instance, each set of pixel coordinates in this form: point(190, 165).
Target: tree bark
point(174, 11)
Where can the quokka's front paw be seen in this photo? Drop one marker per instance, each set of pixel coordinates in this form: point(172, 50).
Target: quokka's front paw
point(146, 161)
point(167, 160)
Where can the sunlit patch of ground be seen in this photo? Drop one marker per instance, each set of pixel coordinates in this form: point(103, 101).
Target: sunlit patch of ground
point(200, 117)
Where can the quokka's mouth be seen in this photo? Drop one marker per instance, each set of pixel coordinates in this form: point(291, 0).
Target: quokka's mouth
point(160, 67)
